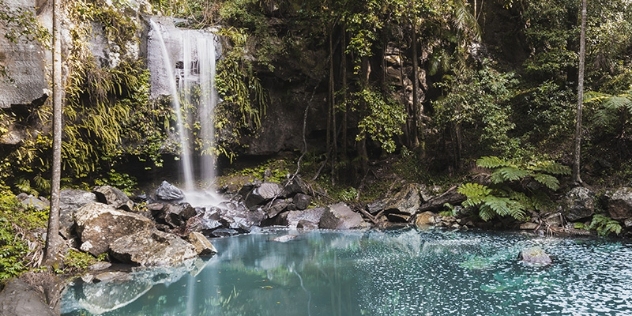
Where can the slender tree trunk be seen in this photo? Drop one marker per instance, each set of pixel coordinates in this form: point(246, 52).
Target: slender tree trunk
point(415, 120)
point(53, 239)
point(343, 66)
point(362, 150)
point(332, 100)
point(580, 98)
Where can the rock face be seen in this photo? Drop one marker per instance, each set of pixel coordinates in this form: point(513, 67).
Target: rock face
point(202, 245)
point(24, 62)
point(113, 196)
point(151, 248)
point(406, 201)
point(70, 200)
point(261, 194)
point(169, 192)
point(20, 299)
point(619, 204)
point(535, 256)
point(98, 225)
point(29, 201)
point(579, 203)
point(425, 219)
point(309, 218)
point(340, 216)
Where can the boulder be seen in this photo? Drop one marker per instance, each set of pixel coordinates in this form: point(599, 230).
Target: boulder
point(151, 248)
point(535, 256)
point(307, 218)
point(340, 216)
point(425, 219)
point(301, 201)
point(277, 207)
point(619, 203)
point(174, 215)
point(579, 203)
point(70, 200)
point(99, 224)
point(263, 193)
point(294, 186)
point(203, 247)
point(240, 218)
point(204, 222)
point(112, 196)
point(21, 299)
point(168, 192)
point(407, 200)
point(30, 201)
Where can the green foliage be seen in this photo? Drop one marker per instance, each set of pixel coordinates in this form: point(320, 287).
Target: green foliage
point(610, 113)
point(75, 260)
point(479, 100)
point(515, 187)
point(122, 181)
point(605, 225)
point(14, 225)
point(384, 120)
point(244, 100)
point(21, 23)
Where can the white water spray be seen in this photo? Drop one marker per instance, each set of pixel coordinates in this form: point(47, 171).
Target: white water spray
point(198, 70)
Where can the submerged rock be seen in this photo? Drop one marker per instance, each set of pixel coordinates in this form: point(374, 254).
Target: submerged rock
point(535, 256)
point(152, 248)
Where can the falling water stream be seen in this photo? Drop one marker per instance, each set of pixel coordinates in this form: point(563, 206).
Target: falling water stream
point(193, 95)
point(400, 272)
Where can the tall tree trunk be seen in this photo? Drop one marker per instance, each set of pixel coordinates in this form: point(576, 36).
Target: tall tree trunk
point(580, 98)
point(53, 239)
point(415, 119)
point(343, 66)
point(362, 150)
point(332, 102)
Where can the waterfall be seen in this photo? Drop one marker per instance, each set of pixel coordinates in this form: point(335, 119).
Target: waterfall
point(192, 87)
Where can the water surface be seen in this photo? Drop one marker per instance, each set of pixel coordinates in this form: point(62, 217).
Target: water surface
point(401, 272)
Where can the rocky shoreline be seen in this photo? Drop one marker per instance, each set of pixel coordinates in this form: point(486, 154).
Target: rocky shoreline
point(163, 229)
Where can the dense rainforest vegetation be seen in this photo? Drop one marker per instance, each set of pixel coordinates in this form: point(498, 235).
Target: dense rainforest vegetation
point(436, 84)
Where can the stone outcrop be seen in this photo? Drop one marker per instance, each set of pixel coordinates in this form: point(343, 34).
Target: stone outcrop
point(340, 216)
point(70, 200)
point(619, 203)
point(151, 248)
point(203, 247)
point(21, 299)
point(578, 203)
point(168, 192)
point(98, 225)
point(112, 196)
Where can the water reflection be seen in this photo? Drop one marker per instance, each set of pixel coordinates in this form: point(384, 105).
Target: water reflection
point(404, 272)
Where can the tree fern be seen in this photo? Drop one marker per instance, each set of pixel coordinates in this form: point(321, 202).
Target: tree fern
point(509, 193)
point(492, 162)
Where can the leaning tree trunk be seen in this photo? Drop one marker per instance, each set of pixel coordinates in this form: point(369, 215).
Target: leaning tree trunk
point(580, 98)
point(53, 239)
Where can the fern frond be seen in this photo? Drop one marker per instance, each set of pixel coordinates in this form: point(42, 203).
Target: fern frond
point(523, 199)
point(492, 162)
point(541, 201)
point(474, 192)
point(486, 213)
point(510, 174)
point(551, 167)
point(549, 181)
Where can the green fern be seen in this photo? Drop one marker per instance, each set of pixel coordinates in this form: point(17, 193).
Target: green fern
point(502, 198)
point(492, 162)
point(605, 225)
